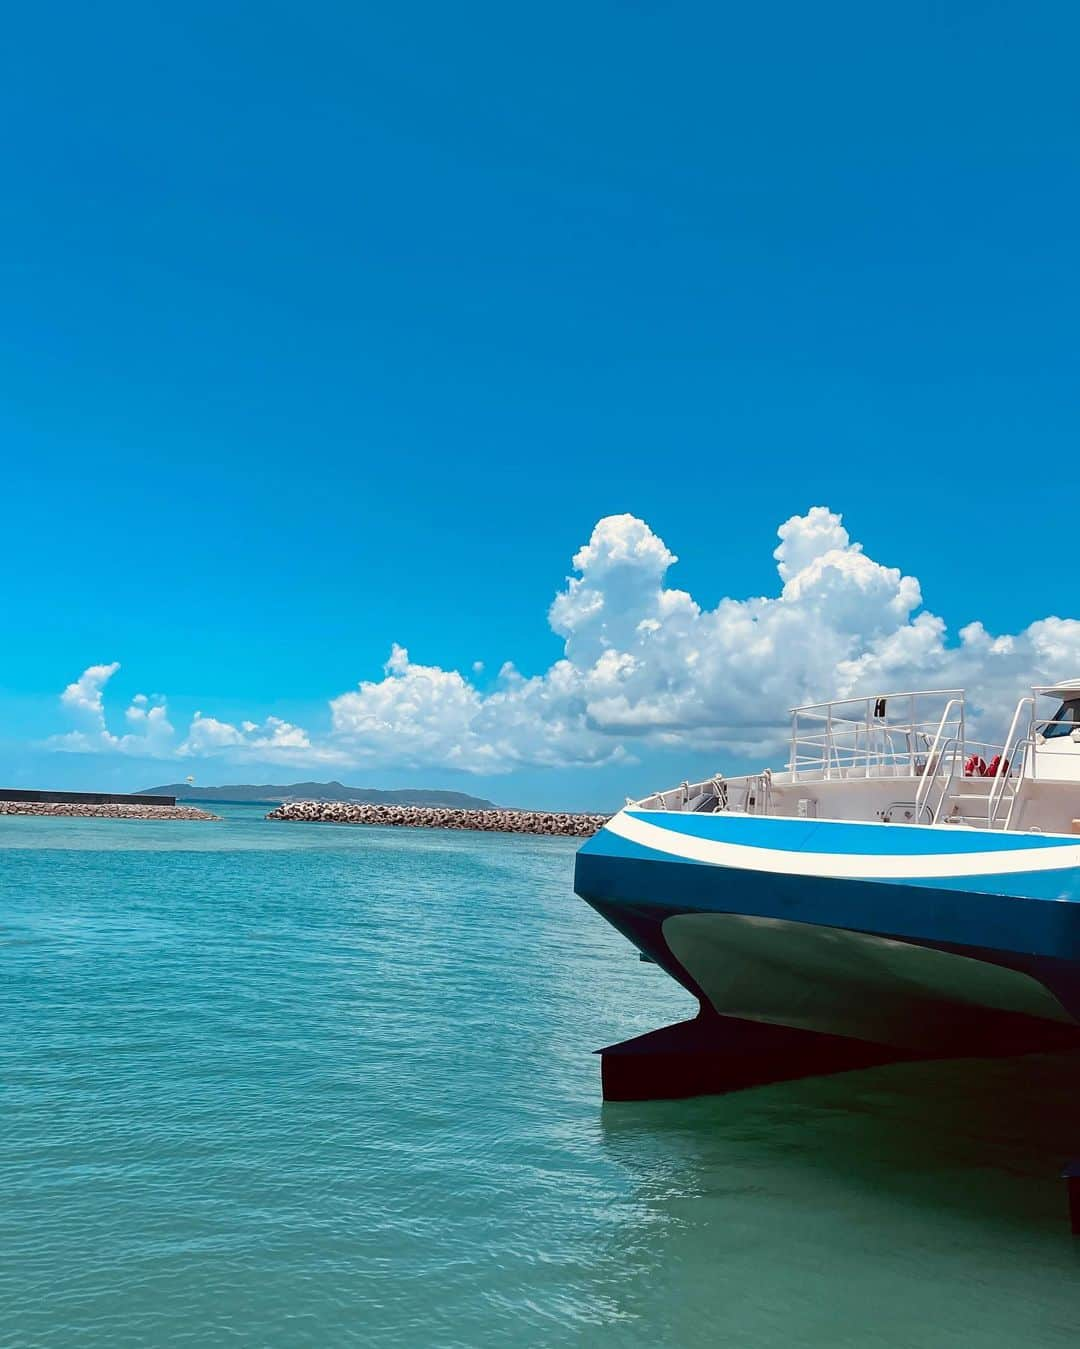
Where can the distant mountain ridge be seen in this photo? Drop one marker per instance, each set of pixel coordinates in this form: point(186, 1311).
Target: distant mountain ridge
point(272, 794)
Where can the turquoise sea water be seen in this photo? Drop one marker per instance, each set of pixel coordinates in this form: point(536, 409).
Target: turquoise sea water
point(282, 1085)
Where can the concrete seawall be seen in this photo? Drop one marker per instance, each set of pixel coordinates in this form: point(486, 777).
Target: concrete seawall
point(85, 798)
point(106, 811)
point(434, 817)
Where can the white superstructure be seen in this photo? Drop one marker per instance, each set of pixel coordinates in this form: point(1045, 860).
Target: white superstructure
point(907, 758)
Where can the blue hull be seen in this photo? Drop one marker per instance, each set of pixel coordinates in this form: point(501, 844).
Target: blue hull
point(920, 937)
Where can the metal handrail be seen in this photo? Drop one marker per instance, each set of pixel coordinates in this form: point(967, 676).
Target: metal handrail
point(959, 750)
point(933, 758)
point(906, 805)
point(836, 738)
point(1022, 747)
point(1004, 768)
point(873, 697)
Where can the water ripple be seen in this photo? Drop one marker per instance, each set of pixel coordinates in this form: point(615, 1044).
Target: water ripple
point(297, 1085)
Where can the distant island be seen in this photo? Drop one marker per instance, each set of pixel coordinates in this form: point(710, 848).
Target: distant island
point(319, 791)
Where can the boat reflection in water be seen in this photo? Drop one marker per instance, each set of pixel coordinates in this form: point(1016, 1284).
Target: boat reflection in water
point(933, 1187)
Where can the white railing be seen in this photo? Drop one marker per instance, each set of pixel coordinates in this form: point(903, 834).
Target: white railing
point(750, 795)
point(945, 743)
point(919, 736)
point(886, 734)
point(1007, 764)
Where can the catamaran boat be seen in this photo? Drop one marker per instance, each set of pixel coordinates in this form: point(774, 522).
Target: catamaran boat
point(898, 884)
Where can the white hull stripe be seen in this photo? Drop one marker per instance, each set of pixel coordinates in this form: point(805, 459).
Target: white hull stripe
point(745, 857)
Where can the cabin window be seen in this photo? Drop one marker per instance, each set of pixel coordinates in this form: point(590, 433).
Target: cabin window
point(1066, 719)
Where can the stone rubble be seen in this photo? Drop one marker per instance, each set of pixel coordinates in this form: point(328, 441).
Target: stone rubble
point(436, 817)
point(111, 811)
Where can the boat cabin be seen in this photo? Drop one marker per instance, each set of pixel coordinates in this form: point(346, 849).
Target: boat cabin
point(1055, 743)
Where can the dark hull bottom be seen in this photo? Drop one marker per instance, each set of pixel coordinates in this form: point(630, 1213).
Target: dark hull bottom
point(713, 1054)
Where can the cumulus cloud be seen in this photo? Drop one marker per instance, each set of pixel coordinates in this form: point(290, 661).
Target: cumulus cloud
point(83, 697)
point(274, 741)
point(643, 664)
point(150, 736)
point(415, 713)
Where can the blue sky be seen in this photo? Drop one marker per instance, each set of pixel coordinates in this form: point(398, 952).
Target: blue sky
point(334, 327)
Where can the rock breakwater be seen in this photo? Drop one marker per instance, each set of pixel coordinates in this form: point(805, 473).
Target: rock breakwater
point(435, 817)
point(112, 811)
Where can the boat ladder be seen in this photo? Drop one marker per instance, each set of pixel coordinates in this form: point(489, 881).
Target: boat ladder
point(993, 808)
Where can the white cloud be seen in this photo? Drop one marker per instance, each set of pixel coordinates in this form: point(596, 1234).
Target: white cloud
point(804, 538)
point(152, 731)
point(151, 735)
point(275, 741)
point(643, 664)
point(414, 714)
point(83, 697)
